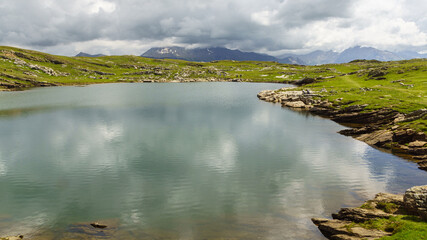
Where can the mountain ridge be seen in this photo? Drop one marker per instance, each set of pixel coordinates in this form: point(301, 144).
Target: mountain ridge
point(313, 58)
point(205, 54)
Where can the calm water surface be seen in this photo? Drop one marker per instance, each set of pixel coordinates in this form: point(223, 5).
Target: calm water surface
point(178, 161)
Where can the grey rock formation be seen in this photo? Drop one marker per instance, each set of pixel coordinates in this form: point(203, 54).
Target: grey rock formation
point(415, 200)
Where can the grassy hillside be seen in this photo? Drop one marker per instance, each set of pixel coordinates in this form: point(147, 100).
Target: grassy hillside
point(23, 67)
point(400, 85)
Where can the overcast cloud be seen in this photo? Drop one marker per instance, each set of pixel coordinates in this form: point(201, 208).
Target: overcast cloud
point(272, 26)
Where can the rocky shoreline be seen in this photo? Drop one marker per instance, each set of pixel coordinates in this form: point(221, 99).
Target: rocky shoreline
point(378, 128)
point(347, 224)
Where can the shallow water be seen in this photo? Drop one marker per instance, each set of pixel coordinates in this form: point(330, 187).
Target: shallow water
point(178, 161)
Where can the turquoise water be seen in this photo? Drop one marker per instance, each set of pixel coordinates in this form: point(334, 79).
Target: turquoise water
point(178, 161)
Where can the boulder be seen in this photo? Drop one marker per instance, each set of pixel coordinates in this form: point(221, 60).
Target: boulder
point(415, 201)
point(376, 73)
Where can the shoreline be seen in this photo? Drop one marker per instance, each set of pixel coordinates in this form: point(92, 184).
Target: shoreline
point(377, 128)
point(380, 217)
point(387, 214)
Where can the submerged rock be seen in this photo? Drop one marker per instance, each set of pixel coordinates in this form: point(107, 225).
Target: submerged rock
point(98, 225)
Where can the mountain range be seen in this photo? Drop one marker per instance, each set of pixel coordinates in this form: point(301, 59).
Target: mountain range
point(313, 58)
point(350, 54)
point(206, 54)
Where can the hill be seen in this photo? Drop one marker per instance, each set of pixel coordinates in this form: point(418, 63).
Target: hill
point(82, 54)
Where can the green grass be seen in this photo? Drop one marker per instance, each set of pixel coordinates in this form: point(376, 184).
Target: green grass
point(387, 207)
point(402, 227)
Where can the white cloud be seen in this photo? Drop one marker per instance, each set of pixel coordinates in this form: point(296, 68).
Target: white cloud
point(95, 6)
point(263, 17)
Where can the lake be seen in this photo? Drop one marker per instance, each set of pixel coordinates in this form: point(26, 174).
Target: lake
point(178, 161)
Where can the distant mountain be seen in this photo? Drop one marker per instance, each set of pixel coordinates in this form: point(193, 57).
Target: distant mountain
point(411, 55)
point(206, 54)
point(82, 54)
point(350, 54)
point(367, 53)
point(313, 58)
point(316, 57)
point(291, 60)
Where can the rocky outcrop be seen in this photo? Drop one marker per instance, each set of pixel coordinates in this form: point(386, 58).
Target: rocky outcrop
point(342, 230)
point(377, 138)
point(47, 70)
point(415, 200)
point(344, 224)
point(375, 127)
point(305, 81)
point(359, 215)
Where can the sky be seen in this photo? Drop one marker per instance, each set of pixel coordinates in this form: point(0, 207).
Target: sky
point(119, 27)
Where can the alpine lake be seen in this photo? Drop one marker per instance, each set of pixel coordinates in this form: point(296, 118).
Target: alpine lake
point(178, 161)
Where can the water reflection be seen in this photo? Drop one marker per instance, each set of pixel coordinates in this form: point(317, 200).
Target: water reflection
point(187, 161)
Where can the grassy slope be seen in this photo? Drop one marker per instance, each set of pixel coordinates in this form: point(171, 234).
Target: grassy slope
point(344, 90)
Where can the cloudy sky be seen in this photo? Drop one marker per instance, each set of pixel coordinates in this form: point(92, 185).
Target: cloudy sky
point(67, 27)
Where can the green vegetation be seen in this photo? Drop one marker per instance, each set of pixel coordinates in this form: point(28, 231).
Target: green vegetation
point(400, 85)
point(402, 227)
point(387, 207)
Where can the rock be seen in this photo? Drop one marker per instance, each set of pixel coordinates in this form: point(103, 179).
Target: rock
point(422, 165)
point(358, 131)
point(354, 108)
point(412, 116)
point(376, 117)
point(103, 73)
point(344, 237)
point(98, 225)
point(417, 151)
point(376, 73)
point(359, 215)
point(296, 104)
point(305, 81)
point(341, 230)
point(368, 233)
point(377, 138)
point(415, 201)
point(389, 198)
point(407, 136)
point(12, 238)
point(345, 223)
point(417, 144)
point(330, 227)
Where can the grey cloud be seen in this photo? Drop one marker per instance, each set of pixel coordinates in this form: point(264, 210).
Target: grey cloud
point(270, 25)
